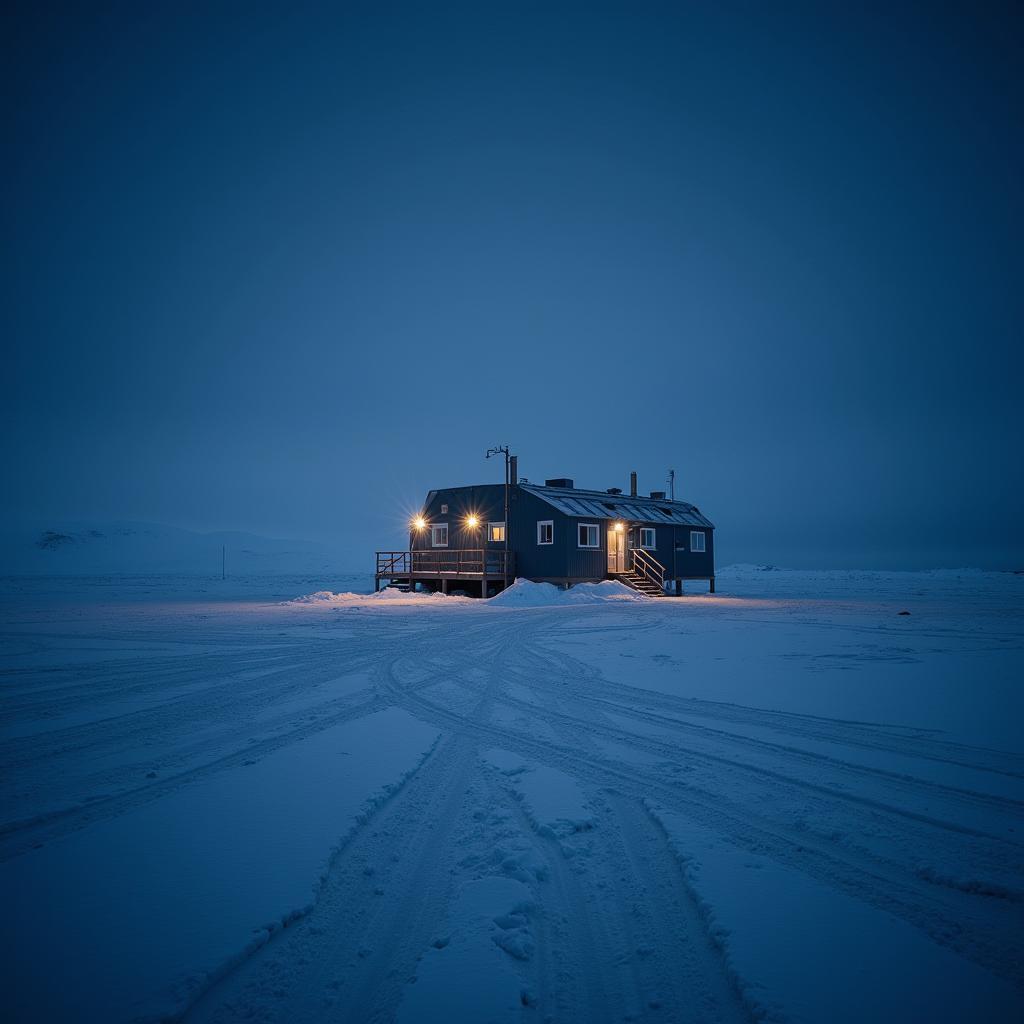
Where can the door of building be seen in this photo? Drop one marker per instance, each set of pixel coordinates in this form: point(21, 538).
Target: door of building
point(616, 550)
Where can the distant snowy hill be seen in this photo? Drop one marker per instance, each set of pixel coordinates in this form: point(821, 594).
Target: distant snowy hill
point(126, 547)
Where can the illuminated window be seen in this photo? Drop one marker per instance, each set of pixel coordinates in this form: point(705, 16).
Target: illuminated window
point(647, 538)
point(495, 532)
point(589, 536)
point(697, 541)
point(439, 535)
point(546, 532)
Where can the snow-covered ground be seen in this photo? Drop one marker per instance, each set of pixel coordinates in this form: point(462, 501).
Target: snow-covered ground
point(787, 801)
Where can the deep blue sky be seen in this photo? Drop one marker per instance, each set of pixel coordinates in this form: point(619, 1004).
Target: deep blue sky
point(285, 270)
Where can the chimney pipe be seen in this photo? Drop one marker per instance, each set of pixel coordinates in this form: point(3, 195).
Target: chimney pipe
point(632, 483)
point(513, 469)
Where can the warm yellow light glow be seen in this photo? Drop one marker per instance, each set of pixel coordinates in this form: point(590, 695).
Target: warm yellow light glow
point(618, 527)
point(419, 523)
point(471, 521)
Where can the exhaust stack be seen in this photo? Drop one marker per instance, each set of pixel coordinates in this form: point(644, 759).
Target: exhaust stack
point(632, 484)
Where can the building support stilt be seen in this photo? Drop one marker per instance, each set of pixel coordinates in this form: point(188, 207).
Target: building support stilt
point(712, 584)
point(679, 588)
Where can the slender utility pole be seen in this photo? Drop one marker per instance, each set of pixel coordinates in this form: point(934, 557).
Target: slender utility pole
point(501, 449)
point(672, 485)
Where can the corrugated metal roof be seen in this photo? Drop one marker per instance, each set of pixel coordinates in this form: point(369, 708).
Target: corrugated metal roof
point(599, 505)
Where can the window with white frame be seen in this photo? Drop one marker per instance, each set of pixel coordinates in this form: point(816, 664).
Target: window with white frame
point(546, 531)
point(439, 535)
point(444, 510)
point(697, 540)
point(648, 538)
point(495, 532)
point(589, 536)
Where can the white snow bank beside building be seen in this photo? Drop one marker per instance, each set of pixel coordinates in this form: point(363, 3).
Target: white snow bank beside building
point(386, 596)
point(156, 902)
point(525, 594)
point(522, 594)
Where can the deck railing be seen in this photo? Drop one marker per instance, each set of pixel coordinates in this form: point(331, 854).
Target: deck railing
point(392, 563)
point(649, 567)
point(445, 562)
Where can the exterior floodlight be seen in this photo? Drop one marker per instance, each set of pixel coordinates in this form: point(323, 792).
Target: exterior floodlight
point(419, 523)
point(618, 527)
point(472, 521)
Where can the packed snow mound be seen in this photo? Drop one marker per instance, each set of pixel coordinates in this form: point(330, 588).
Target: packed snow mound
point(388, 595)
point(525, 594)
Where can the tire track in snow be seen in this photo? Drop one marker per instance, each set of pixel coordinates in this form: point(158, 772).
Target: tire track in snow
point(380, 904)
point(693, 966)
point(377, 910)
point(574, 988)
point(952, 920)
point(580, 734)
point(565, 670)
point(19, 836)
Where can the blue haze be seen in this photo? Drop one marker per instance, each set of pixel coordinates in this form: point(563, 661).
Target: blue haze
point(283, 269)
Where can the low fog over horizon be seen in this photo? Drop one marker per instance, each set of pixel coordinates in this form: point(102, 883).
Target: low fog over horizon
point(286, 275)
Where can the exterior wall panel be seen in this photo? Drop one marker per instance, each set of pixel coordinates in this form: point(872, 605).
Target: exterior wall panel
point(563, 559)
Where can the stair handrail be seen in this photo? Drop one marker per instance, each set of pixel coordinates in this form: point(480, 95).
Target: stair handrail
point(649, 567)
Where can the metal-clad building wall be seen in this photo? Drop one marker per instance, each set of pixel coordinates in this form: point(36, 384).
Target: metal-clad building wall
point(586, 563)
point(485, 501)
point(665, 540)
point(694, 564)
point(564, 558)
point(533, 560)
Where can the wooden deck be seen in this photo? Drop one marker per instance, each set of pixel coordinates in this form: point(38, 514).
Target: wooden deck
point(483, 565)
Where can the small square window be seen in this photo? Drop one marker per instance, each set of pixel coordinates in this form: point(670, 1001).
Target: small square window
point(439, 535)
point(546, 531)
point(589, 537)
point(496, 532)
point(697, 540)
point(648, 538)
point(444, 510)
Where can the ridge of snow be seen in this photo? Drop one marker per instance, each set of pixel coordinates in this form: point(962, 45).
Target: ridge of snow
point(526, 594)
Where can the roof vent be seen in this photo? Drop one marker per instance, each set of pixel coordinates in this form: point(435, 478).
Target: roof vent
point(658, 495)
point(614, 490)
point(559, 481)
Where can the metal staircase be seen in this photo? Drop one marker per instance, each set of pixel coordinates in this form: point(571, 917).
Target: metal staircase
point(645, 574)
point(640, 583)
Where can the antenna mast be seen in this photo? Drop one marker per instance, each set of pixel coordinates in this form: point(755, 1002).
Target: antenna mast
point(500, 449)
point(672, 485)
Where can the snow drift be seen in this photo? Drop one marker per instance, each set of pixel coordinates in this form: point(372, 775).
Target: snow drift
point(524, 594)
point(388, 596)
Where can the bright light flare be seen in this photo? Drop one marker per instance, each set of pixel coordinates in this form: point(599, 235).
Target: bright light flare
point(472, 522)
point(419, 523)
point(619, 527)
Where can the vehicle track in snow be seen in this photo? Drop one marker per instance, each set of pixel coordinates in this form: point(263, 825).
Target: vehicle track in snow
point(619, 933)
point(949, 916)
point(381, 903)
